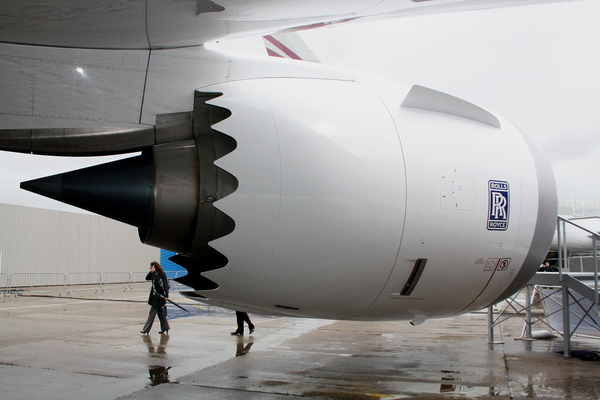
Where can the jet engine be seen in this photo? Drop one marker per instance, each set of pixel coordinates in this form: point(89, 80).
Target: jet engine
point(326, 198)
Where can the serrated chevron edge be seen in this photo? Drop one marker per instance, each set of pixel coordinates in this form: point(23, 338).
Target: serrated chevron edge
point(215, 184)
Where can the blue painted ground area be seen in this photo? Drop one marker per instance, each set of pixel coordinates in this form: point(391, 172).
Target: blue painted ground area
point(196, 310)
point(193, 308)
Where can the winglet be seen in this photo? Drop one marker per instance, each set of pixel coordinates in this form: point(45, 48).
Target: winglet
point(289, 45)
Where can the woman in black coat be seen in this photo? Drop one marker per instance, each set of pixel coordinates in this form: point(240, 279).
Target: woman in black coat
point(159, 294)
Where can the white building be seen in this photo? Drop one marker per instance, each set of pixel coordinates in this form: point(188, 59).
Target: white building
point(38, 247)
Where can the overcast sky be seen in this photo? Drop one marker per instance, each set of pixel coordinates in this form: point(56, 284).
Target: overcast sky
point(538, 66)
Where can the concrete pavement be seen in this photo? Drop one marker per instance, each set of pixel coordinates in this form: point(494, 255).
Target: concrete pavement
point(89, 346)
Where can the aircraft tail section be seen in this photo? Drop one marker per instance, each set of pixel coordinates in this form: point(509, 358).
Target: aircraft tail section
point(289, 45)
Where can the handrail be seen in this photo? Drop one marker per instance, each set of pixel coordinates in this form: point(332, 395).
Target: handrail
point(580, 218)
point(562, 248)
point(570, 221)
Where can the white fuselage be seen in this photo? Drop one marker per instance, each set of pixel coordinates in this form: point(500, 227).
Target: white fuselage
point(578, 201)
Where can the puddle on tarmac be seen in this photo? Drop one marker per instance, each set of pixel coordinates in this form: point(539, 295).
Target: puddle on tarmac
point(401, 390)
point(450, 385)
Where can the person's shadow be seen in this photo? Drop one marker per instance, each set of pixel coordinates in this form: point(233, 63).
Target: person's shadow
point(158, 373)
point(242, 350)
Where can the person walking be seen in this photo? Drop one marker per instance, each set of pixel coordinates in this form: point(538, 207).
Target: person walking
point(241, 318)
point(159, 294)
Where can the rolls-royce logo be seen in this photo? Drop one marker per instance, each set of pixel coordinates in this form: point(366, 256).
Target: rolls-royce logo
point(499, 205)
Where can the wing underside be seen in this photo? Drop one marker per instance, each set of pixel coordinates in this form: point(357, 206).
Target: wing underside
point(144, 24)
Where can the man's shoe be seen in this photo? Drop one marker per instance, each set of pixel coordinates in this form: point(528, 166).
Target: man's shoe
point(237, 333)
point(252, 330)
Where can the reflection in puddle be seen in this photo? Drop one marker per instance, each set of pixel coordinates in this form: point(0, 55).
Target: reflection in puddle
point(449, 384)
point(158, 374)
point(158, 351)
point(242, 350)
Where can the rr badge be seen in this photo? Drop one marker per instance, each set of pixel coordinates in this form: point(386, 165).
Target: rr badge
point(499, 205)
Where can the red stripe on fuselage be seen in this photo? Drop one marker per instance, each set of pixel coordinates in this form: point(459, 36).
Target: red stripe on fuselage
point(482, 290)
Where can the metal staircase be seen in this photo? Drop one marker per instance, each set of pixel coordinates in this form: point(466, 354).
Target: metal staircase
point(577, 307)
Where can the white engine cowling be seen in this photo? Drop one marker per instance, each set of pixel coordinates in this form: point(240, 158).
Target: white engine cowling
point(367, 199)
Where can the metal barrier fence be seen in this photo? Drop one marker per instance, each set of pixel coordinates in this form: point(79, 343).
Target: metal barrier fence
point(175, 274)
point(64, 282)
point(24, 279)
point(3, 283)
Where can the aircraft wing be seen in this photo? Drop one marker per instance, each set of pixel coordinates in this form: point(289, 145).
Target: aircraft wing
point(144, 24)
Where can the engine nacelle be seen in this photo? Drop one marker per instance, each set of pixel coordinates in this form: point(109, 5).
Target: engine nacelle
point(368, 199)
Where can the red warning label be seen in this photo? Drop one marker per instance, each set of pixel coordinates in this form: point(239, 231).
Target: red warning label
point(500, 264)
point(503, 264)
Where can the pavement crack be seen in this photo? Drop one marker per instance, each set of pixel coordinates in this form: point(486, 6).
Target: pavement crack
point(241, 390)
point(58, 369)
point(507, 370)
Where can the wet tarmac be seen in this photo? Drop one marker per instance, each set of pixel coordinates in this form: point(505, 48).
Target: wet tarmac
point(88, 346)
